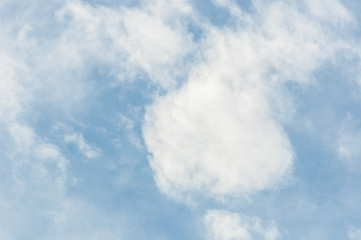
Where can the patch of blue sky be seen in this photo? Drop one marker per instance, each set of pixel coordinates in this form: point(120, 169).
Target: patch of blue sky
point(220, 16)
point(213, 14)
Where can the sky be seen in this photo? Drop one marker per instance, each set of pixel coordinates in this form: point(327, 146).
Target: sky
point(180, 119)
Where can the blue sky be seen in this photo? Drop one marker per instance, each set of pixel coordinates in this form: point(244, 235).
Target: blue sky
point(180, 119)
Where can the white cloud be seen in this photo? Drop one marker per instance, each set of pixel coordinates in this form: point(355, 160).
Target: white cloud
point(53, 61)
point(220, 134)
point(208, 137)
point(143, 40)
point(85, 149)
point(223, 225)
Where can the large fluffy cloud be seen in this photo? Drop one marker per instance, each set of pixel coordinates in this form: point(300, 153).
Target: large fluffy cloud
point(220, 134)
point(209, 137)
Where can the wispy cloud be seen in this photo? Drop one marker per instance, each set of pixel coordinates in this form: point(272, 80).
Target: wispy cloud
point(354, 234)
point(83, 147)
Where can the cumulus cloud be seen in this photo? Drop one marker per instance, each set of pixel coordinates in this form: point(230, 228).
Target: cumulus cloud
point(223, 225)
point(220, 134)
point(208, 137)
